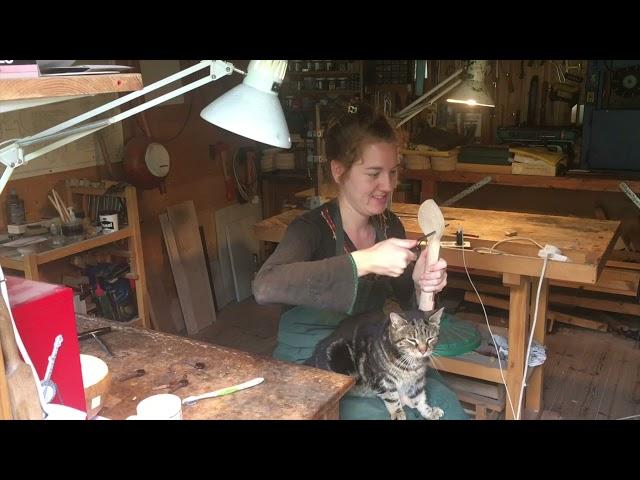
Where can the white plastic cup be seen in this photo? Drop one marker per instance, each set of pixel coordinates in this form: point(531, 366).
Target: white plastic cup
point(109, 221)
point(164, 406)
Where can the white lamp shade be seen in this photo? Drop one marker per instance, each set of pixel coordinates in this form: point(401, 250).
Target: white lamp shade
point(252, 113)
point(472, 90)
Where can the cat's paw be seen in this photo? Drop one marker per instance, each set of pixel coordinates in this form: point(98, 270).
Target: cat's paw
point(434, 414)
point(399, 415)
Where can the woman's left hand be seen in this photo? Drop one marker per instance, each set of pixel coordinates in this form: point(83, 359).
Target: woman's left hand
point(434, 279)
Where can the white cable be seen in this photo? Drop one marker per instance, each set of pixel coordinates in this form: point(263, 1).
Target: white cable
point(532, 330)
point(629, 417)
point(504, 381)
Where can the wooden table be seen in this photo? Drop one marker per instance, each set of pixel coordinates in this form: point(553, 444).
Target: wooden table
point(288, 392)
point(587, 243)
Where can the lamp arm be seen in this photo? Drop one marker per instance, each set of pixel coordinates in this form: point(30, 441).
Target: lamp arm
point(13, 156)
point(417, 109)
point(432, 91)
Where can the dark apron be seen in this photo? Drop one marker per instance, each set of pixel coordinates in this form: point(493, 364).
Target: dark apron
point(302, 328)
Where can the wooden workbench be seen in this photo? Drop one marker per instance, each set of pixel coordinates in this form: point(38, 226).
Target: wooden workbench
point(288, 392)
point(587, 243)
point(429, 180)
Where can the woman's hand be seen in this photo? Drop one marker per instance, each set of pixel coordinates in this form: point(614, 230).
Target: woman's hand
point(434, 279)
point(389, 257)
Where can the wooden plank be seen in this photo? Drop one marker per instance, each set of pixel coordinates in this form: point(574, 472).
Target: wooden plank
point(470, 365)
point(578, 321)
point(179, 275)
point(488, 301)
point(31, 268)
point(588, 183)
point(184, 223)
point(242, 246)
point(137, 257)
point(611, 280)
point(482, 388)
point(595, 303)
point(61, 86)
point(223, 217)
point(534, 389)
point(518, 313)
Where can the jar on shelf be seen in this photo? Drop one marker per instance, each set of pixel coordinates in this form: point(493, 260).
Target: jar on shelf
point(331, 83)
point(318, 65)
point(330, 65)
point(307, 66)
point(321, 83)
point(342, 83)
point(308, 83)
point(296, 65)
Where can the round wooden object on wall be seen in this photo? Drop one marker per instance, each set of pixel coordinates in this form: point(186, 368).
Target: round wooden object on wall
point(146, 163)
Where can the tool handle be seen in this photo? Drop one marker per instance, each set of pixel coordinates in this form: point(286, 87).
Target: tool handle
point(52, 358)
point(224, 391)
point(10, 351)
point(433, 253)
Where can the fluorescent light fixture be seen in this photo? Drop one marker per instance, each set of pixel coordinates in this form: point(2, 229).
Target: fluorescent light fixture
point(472, 91)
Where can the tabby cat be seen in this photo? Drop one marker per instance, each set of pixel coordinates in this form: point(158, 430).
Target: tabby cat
point(388, 357)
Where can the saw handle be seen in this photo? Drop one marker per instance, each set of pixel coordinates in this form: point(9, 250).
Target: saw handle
point(433, 254)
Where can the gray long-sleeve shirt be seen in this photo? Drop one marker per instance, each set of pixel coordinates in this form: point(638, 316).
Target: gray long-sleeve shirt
point(305, 270)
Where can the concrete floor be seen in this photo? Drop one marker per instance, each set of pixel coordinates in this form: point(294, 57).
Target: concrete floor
point(245, 326)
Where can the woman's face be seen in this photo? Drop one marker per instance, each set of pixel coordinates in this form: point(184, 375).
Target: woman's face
point(369, 183)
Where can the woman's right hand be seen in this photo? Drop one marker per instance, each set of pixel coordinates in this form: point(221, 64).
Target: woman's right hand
point(389, 257)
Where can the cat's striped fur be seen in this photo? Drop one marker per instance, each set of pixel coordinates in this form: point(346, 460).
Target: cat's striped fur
point(388, 357)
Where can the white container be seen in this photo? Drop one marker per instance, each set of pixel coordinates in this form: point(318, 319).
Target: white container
point(164, 406)
point(109, 221)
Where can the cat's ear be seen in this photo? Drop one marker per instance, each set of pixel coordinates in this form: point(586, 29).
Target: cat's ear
point(436, 317)
point(396, 320)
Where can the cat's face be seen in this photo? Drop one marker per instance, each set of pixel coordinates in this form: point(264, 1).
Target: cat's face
point(415, 332)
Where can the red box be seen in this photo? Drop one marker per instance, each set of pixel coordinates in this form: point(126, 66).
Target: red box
point(43, 311)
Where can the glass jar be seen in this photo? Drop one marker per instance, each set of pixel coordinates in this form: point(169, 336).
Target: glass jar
point(330, 65)
point(343, 83)
point(331, 83)
point(308, 83)
point(321, 83)
point(318, 65)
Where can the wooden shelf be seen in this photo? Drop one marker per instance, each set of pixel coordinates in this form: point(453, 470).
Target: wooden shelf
point(573, 182)
point(29, 92)
point(325, 73)
point(302, 93)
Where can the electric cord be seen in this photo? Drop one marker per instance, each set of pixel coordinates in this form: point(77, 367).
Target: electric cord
point(492, 250)
point(486, 317)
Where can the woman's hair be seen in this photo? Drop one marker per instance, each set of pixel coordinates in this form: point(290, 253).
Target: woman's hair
point(351, 131)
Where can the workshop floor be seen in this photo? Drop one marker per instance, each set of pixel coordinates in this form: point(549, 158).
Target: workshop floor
point(588, 375)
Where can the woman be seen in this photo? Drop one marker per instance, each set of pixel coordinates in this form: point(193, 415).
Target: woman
point(349, 255)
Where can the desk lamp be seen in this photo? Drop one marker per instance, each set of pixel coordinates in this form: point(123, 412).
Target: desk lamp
point(251, 109)
point(465, 84)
